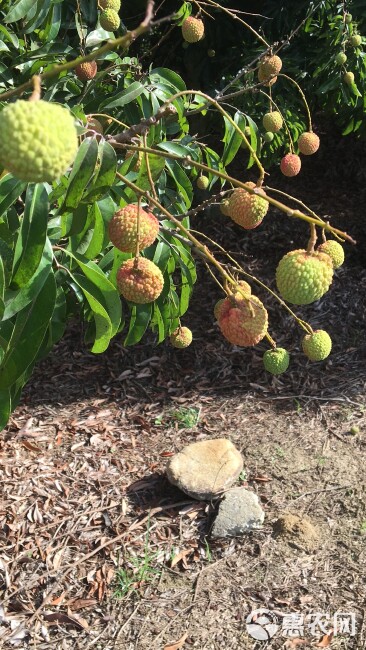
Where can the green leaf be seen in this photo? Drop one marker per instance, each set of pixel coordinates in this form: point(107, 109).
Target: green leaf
point(232, 138)
point(30, 326)
point(32, 235)
point(5, 408)
point(82, 172)
point(106, 174)
point(19, 10)
point(97, 233)
point(133, 91)
point(103, 325)
point(174, 80)
point(10, 190)
point(140, 318)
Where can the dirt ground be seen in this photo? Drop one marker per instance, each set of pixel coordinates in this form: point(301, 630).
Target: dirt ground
point(98, 551)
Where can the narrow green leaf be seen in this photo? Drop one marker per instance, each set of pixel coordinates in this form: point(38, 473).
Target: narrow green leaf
point(82, 172)
point(130, 93)
point(19, 10)
point(10, 190)
point(232, 138)
point(5, 408)
point(140, 318)
point(97, 233)
point(106, 174)
point(103, 325)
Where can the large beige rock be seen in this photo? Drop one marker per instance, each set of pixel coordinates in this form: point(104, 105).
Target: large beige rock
point(205, 469)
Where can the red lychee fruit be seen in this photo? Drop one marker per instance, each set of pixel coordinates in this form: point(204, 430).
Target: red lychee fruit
point(123, 229)
point(308, 143)
point(290, 164)
point(86, 71)
point(246, 324)
point(139, 280)
point(247, 210)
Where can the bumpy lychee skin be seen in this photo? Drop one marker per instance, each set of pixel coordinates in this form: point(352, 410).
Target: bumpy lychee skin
point(355, 40)
point(317, 346)
point(224, 207)
point(273, 121)
point(110, 4)
point(304, 277)
point(276, 361)
point(245, 325)
point(270, 65)
point(263, 78)
point(341, 58)
point(109, 20)
point(193, 29)
point(241, 291)
point(86, 71)
point(181, 338)
point(290, 165)
point(203, 182)
point(38, 140)
point(123, 229)
point(334, 250)
point(247, 210)
point(308, 143)
point(219, 308)
point(140, 281)
point(349, 78)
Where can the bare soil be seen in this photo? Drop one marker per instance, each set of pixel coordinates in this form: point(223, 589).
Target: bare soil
point(97, 550)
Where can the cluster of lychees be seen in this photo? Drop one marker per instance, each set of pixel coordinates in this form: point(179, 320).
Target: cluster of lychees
point(353, 40)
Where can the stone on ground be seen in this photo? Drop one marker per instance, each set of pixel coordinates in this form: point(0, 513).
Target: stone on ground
point(239, 512)
point(205, 469)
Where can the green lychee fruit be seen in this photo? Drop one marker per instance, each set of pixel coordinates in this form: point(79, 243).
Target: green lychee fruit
point(181, 338)
point(245, 325)
point(268, 137)
point(139, 280)
point(304, 277)
point(203, 182)
point(290, 165)
point(123, 229)
point(308, 143)
point(109, 20)
point(211, 53)
point(86, 71)
point(267, 81)
point(247, 210)
point(355, 40)
point(193, 29)
point(276, 361)
point(334, 250)
point(269, 66)
point(38, 140)
point(273, 121)
point(110, 4)
point(317, 346)
point(341, 58)
point(348, 18)
point(349, 78)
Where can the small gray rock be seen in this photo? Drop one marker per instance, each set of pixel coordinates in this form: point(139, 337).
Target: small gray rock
point(239, 512)
point(205, 469)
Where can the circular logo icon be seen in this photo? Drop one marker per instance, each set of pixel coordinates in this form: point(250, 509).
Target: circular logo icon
point(262, 624)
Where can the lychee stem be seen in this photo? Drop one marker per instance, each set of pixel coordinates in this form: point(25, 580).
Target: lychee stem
point(271, 341)
point(284, 121)
point(109, 117)
point(138, 220)
point(280, 74)
point(148, 170)
point(37, 91)
point(312, 240)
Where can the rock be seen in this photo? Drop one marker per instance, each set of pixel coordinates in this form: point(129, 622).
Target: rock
point(298, 531)
point(205, 469)
point(240, 512)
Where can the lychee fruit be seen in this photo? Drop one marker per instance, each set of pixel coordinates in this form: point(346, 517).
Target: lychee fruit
point(203, 182)
point(355, 40)
point(273, 121)
point(290, 165)
point(348, 18)
point(276, 361)
point(334, 250)
point(247, 210)
point(224, 207)
point(219, 307)
point(110, 4)
point(269, 66)
point(241, 291)
point(86, 71)
point(341, 58)
point(262, 78)
point(38, 140)
point(268, 137)
point(109, 20)
point(181, 338)
point(139, 280)
point(193, 29)
point(308, 143)
point(244, 325)
point(211, 53)
point(123, 229)
point(304, 277)
point(317, 346)
point(349, 78)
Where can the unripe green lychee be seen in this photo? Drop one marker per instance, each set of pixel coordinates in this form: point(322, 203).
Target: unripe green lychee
point(203, 182)
point(308, 143)
point(341, 58)
point(139, 280)
point(276, 361)
point(109, 20)
point(273, 121)
point(355, 40)
point(193, 29)
point(349, 78)
point(38, 140)
point(334, 250)
point(304, 277)
point(290, 165)
point(224, 207)
point(247, 210)
point(211, 53)
point(86, 71)
point(269, 66)
point(181, 338)
point(110, 4)
point(317, 346)
point(244, 325)
point(268, 137)
point(123, 229)
point(348, 18)
point(262, 78)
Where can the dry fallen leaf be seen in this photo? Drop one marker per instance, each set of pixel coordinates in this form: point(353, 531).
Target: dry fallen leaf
point(294, 643)
point(326, 640)
point(176, 645)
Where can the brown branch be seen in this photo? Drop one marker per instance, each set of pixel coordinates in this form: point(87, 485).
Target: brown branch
point(143, 127)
